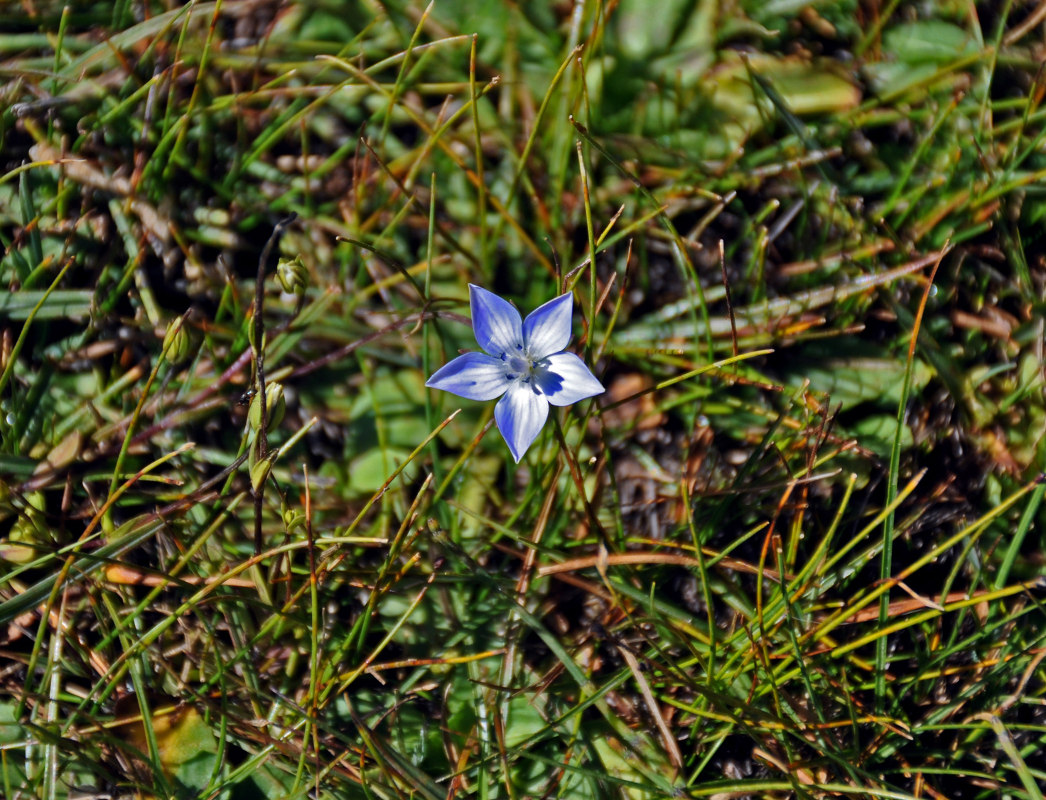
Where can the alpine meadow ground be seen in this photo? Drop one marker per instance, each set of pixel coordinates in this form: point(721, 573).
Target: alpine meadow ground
point(751, 504)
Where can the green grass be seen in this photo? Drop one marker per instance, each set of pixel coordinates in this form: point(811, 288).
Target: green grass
point(795, 550)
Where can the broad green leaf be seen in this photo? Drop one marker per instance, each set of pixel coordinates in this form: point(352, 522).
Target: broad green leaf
point(396, 397)
point(931, 40)
point(877, 434)
point(189, 751)
point(524, 720)
point(368, 472)
point(855, 380)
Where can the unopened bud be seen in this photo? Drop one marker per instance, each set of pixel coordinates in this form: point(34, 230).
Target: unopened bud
point(260, 471)
point(293, 518)
point(178, 343)
point(275, 407)
point(293, 275)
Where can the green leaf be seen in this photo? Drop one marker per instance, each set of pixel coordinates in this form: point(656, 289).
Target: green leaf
point(189, 751)
point(524, 720)
point(396, 397)
point(856, 380)
point(877, 434)
point(933, 41)
point(12, 757)
point(368, 472)
point(61, 304)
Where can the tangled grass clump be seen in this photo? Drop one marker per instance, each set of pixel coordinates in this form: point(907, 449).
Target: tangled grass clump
point(795, 549)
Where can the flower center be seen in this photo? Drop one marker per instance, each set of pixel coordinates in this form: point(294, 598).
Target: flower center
point(520, 367)
point(518, 364)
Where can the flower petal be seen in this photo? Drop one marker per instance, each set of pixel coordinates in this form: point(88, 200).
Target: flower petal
point(565, 379)
point(495, 322)
point(546, 330)
point(521, 414)
point(475, 376)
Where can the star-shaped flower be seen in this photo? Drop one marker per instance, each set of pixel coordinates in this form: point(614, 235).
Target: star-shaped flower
point(522, 360)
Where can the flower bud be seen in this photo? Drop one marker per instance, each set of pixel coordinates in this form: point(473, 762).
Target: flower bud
point(29, 532)
point(293, 275)
point(260, 472)
point(275, 407)
point(12, 548)
point(293, 518)
point(178, 344)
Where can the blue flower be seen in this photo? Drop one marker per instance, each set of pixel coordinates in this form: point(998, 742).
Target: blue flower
point(522, 360)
